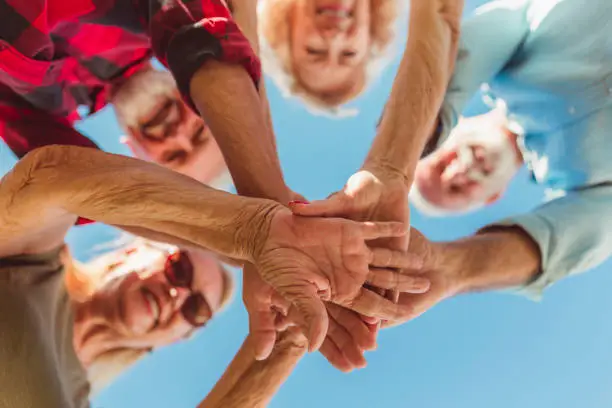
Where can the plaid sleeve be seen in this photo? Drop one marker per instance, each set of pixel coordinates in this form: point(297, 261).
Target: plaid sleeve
point(24, 129)
point(187, 33)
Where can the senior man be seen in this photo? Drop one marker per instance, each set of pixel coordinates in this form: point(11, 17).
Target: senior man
point(547, 67)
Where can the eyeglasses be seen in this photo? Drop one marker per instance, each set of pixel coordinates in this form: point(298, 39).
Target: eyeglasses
point(179, 273)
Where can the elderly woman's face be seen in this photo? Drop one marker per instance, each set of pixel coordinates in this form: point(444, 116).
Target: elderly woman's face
point(160, 297)
point(330, 40)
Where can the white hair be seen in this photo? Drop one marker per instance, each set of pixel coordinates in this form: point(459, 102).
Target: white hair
point(285, 81)
point(140, 94)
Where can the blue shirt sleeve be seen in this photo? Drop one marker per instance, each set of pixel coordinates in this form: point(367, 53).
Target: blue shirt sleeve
point(489, 39)
point(574, 234)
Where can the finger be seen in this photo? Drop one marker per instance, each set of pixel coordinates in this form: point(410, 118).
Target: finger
point(331, 207)
point(376, 230)
point(390, 279)
point(370, 304)
point(335, 357)
point(388, 258)
point(263, 333)
point(346, 344)
point(312, 312)
point(363, 337)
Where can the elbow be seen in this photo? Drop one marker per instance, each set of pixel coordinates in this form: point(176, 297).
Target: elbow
point(45, 157)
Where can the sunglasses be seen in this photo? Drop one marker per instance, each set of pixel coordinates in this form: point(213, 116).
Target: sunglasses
point(179, 273)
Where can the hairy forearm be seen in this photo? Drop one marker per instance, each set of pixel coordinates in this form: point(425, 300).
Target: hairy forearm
point(248, 383)
point(419, 86)
point(119, 190)
point(229, 102)
point(496, 258)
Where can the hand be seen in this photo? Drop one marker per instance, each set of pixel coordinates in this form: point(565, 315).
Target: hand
point(347, 339)
point(267, 311)
point(308, 260)
point(369, 195)
point(440, 269)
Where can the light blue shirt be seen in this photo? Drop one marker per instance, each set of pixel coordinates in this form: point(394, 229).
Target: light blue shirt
point(550, 61)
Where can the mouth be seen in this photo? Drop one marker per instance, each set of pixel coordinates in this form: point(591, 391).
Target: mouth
point(335, 12)
point(153, 306)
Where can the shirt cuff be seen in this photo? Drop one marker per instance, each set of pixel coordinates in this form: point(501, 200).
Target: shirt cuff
point(211, 38)
point(541, 232)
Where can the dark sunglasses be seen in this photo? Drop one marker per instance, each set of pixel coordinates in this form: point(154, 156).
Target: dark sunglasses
point(179, 273)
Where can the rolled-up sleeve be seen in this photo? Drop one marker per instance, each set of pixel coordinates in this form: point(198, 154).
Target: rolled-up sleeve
point(574, 234)
point(489, 39)
point(187, 33)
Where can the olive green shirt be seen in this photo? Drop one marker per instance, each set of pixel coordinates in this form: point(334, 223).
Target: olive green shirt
point(38, 364)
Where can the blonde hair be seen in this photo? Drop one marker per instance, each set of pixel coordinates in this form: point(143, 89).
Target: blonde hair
point(82, 280)
point(275, 34)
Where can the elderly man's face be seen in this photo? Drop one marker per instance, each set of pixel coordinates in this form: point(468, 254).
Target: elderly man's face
point(471, 169)
point(330, 41)
point(161, 128)
point(172, 135)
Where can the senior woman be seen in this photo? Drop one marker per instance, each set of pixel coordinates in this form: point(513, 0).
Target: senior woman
point(59, 320)
point(326, 52)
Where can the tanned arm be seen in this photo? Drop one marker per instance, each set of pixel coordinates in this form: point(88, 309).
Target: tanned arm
point(41, 197)
point(419, 87)
point(248, 383)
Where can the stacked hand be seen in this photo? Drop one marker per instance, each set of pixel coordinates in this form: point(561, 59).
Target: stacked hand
point(328, 260)
point(311, 260)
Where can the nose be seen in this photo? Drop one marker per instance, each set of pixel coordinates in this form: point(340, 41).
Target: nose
point(181, 139)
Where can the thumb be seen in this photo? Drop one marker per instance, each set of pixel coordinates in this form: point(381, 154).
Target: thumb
point(312, 314)
point(315, 315)
point(330, 207)
point(262, 330)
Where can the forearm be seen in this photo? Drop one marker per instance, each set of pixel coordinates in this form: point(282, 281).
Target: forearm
point(245, 14)
point(248, 383)
point(229, 102)
point(118, 190)
point(496, 258)
point(419, 86)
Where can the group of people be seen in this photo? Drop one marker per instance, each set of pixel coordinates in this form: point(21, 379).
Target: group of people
point(323, 275)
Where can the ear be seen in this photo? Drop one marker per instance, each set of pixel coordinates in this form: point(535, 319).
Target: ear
point(135, 147)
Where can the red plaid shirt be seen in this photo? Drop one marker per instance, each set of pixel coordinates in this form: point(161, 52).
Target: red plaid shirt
point(56, 55)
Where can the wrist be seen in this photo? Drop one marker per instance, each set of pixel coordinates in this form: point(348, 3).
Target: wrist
point(253, 228)
point(385, 170)
point(493, 258)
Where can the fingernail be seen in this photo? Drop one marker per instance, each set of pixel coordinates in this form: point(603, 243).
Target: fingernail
point(298, 203)
point(422, 283)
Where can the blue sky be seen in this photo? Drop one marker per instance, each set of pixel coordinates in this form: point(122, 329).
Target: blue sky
point(477, 351)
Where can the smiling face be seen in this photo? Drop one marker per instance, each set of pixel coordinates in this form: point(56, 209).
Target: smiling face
point(326, 51)
point(152, 298)
point(473, 168)
point(161, 127)
point(330, 44)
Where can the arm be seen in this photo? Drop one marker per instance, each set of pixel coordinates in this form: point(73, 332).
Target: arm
point(573, 234)
point(41, 197)
point(489, 39)
point(527, 253)
point(248, 383)
point(418, 88)
point(218, 73)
